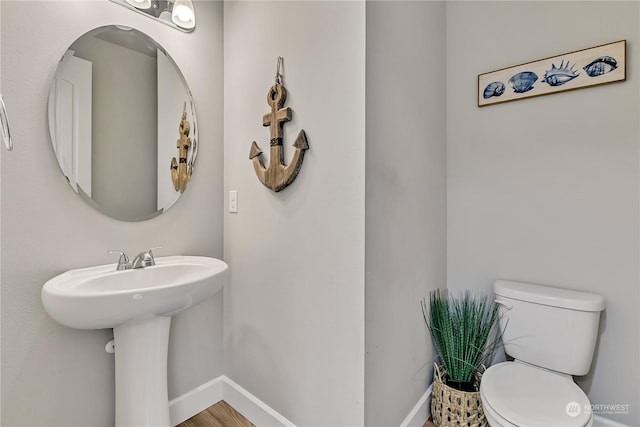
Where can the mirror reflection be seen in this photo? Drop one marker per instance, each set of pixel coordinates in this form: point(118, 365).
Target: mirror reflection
point(122, 123)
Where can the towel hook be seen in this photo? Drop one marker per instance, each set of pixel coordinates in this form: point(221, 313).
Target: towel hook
point(4, 122)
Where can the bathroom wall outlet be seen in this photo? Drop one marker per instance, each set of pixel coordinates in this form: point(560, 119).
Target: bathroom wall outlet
point(233, 201)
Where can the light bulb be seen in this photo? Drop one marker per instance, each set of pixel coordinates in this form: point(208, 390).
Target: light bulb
point(183, 14)
point(140, 4)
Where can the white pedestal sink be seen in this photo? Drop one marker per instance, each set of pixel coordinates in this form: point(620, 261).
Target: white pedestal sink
point(138, 305)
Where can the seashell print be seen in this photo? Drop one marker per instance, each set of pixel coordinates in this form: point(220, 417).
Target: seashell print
point(560, 75)
point(523, 82)
point(493, 89)
point(600, 66)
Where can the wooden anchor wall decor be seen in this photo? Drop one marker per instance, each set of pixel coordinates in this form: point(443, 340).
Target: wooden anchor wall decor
point(278, 175)
point(180, 170)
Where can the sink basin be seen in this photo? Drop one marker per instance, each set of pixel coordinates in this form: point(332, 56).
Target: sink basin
point(101, 297)
point(138, 305)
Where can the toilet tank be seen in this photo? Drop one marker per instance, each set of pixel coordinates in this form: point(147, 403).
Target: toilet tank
point(549, 327)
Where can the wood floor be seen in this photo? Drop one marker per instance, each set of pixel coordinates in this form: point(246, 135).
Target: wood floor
point(428, 423)
point(219, 415)
point(223, 415)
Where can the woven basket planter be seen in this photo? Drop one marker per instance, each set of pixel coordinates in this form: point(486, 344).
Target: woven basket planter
point(455, 408)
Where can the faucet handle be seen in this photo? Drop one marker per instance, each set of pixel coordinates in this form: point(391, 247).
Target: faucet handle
point(123, 261)
point(155, 247)
point(150, 252)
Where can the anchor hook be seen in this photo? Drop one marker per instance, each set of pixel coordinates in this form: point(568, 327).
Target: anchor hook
point(279, 66)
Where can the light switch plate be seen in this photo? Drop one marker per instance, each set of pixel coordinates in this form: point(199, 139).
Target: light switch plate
point(233, 201)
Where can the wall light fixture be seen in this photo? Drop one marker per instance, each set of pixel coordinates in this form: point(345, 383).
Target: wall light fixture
point(178, 14)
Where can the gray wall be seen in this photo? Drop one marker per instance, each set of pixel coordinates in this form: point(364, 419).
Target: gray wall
point(405, 200)
point(294, 308)
point(52, 375)
point(547, 189)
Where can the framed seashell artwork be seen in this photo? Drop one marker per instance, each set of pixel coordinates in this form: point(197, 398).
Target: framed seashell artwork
point(574, 70)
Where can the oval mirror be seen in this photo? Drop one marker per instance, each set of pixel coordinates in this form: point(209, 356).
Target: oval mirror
point(122, 123)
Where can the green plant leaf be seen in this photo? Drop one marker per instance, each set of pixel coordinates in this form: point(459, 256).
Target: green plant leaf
point(464, 330)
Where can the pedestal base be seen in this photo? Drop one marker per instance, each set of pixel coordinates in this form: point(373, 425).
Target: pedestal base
point(141, 372)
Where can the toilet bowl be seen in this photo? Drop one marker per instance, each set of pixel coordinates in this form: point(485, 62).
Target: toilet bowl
point(551, 334)
point(514, 394)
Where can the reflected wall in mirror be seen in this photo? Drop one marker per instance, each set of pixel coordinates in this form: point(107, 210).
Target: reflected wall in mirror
point(116, 109)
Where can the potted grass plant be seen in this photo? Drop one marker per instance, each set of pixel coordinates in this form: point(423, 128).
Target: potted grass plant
point(465, 333)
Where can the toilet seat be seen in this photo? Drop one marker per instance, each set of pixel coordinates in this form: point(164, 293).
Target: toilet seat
point(515, 394)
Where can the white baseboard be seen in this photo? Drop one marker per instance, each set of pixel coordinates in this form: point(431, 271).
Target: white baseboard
point(223, 388)
point(255, 410)
point(420, 412)
point(260, 414)
point(197, 400)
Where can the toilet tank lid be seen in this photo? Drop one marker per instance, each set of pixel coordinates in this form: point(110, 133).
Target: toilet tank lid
point(547, 295)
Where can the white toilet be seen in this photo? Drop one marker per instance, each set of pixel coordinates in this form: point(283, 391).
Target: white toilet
point(551, 333)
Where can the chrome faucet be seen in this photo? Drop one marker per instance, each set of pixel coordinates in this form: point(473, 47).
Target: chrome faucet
point(123, 262)
point(143, 259)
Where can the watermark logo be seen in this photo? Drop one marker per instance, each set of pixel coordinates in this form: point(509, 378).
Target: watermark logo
point(609, 408)
point(573, 409)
